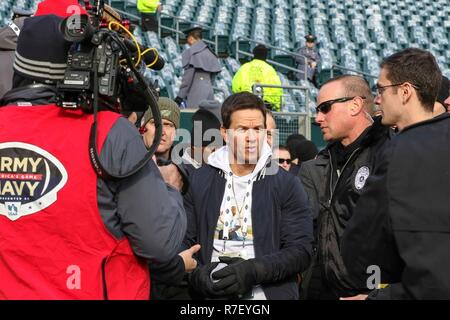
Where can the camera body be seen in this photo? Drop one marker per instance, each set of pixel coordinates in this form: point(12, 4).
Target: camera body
point(102, 61)
point(77, 88)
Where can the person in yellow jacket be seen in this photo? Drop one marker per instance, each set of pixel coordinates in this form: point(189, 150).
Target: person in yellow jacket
point(259, 71)
point(149, 10)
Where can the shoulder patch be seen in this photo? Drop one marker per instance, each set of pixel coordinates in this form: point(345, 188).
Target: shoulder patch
point(361, 177)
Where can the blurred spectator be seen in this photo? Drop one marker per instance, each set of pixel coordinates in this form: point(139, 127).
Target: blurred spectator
point(305, 150)
point(149, 10)
point(271, 128)
point(291, 142)
point(311, 62)
point(170, 119)
point(283, 157)
point(170, 115)
point(205, 135)
point(295, 136)
point(301, 151)
point(200, 65)
point(291, 139)
point(258, 71)
point(8, 44)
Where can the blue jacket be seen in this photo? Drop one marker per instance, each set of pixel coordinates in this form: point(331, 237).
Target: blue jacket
point(282, 224)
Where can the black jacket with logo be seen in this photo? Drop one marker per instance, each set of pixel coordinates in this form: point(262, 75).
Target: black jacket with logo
point(333, 194)
point(402, 222)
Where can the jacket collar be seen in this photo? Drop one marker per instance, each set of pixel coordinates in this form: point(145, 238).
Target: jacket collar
point(438, 118)
point(374, 133)
point(198, 46)
point(270, 168)
point(34, 94)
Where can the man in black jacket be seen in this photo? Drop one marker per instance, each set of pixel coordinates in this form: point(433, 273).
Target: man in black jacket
point(336, 178)
point(251, 218)
point(398, 241)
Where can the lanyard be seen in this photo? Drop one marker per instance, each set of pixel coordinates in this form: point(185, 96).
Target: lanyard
point(236, 214)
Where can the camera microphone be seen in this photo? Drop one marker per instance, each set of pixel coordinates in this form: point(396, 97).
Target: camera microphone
point(150, 57)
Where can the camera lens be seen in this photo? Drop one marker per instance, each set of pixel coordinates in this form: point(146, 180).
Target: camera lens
point(77, 28)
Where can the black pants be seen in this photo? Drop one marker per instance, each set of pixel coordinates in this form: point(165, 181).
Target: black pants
point(149, 22)
point(161, 291)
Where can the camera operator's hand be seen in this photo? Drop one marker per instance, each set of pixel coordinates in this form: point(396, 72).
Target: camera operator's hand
point(172, 176)
point(189, 263)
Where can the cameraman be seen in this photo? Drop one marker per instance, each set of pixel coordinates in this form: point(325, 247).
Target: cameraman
point(64, 232)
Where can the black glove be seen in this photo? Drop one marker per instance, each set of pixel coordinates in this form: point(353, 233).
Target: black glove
point(200, 280)
point(178, 100)
point(238, 277)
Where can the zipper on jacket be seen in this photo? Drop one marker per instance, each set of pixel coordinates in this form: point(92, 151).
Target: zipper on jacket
point(333, 189)
point(331, 179)
point(105, 288)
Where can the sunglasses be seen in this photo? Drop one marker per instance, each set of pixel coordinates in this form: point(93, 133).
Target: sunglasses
point(281, 161)
point(381, 89)
point(325, 106)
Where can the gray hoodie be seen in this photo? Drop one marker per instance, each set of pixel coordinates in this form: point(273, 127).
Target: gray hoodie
point(8, 44)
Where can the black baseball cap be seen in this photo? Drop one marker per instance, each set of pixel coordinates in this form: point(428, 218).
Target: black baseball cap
point(310, 38)
point(192, 29)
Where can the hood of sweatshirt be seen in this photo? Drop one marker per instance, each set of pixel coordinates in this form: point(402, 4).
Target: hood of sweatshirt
point(220, 159)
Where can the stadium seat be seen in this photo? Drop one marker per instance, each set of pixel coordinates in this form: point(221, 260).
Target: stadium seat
point(325, 74)
point(354, 34)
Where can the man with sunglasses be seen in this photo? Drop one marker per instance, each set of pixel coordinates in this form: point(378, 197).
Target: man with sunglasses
point(283, 157)
point(336, 178)
point(400, 231)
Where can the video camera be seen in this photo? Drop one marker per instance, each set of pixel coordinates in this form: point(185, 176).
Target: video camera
point(106, 62)
point(105, 57)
